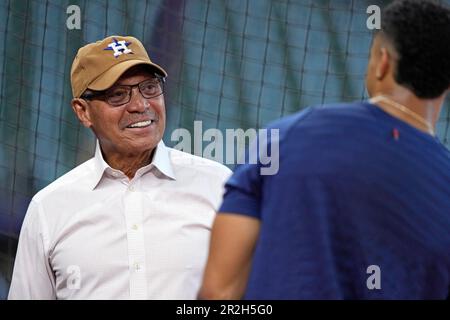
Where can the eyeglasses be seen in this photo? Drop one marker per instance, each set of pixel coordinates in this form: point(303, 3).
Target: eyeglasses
point(121, 94)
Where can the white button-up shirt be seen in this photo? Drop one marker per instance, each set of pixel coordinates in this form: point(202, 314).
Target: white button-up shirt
point(95, 234)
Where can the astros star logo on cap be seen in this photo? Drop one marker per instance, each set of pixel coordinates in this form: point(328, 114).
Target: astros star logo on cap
point(119, 47)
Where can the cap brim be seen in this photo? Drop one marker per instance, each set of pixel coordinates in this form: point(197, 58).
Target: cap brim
point(109, 77)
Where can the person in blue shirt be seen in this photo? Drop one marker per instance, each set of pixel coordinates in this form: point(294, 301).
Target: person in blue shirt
point(360, 206)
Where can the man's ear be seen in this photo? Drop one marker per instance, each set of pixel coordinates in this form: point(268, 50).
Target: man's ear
point(81, 109)
point(384, 64)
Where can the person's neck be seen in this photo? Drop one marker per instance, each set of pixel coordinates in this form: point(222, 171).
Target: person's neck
point(427, 109)
point(128, 163)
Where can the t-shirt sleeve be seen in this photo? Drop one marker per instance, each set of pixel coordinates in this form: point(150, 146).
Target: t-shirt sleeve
point(243, 190)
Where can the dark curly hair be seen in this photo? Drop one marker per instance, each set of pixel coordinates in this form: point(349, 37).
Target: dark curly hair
point(420, 33)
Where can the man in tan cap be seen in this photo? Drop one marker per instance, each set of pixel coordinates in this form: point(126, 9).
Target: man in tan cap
point(134, 221)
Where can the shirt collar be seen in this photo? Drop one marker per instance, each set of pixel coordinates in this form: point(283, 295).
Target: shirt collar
point(161, 161)
point(100, 166)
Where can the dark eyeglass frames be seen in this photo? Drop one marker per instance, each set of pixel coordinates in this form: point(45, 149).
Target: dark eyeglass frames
point(121, 94)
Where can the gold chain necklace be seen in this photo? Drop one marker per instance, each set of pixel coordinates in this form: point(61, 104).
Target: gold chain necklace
point(404, 109)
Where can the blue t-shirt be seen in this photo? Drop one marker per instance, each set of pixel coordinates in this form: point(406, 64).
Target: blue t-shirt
point(360, 209)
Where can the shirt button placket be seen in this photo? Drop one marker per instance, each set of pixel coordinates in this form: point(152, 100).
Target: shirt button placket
point(136, 242)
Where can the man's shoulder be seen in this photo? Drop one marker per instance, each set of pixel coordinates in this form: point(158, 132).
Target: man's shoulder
point(319, 113)
point(72, 179)
point(198, 164)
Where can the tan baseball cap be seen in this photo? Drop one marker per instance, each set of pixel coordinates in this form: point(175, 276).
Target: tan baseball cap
point(97, 66)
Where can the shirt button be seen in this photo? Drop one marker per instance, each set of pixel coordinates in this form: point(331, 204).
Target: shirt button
point(131, 188)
